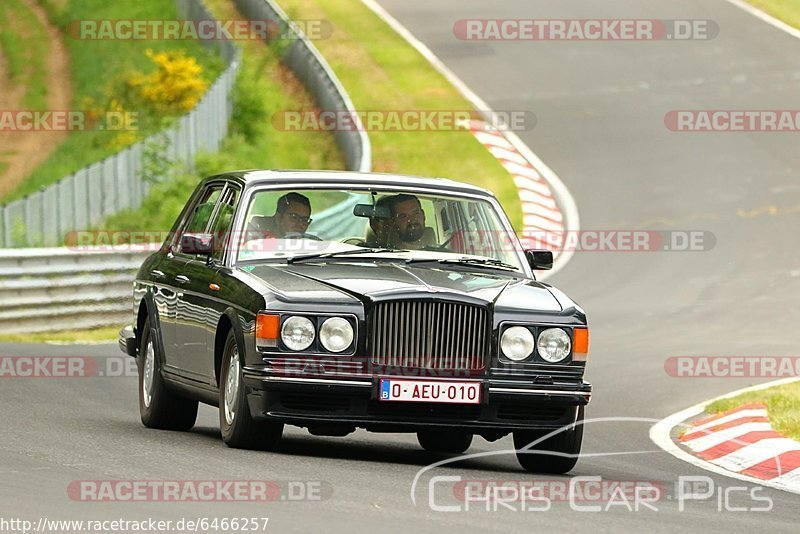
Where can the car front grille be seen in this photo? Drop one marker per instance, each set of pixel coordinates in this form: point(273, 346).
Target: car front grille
point(429, 335)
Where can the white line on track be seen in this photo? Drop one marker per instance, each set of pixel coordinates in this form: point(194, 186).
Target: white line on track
point(766, 17)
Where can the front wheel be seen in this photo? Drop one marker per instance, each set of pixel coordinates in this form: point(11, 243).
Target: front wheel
point(239, 429)
point(158, 406)
point(557, 454)
point(451, 441)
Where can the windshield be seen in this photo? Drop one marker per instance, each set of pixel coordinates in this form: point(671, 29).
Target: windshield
point(284, 224)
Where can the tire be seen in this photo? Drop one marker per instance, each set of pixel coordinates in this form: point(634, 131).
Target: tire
point(239, 429)
point(564, 443)
point(158, 406)
point(451, 441)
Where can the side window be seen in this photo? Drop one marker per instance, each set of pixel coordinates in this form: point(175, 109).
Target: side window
point(221, 225)
point(201, 214)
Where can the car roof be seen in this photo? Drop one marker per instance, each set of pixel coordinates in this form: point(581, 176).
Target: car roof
point(253, 177)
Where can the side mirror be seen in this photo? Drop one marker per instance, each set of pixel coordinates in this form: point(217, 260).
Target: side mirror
point(539, 260)
point(201, 244)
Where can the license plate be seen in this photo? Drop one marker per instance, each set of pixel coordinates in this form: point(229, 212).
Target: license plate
point(430, 391)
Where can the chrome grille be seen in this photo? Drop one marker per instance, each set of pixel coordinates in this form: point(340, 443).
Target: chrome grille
point(429, 335)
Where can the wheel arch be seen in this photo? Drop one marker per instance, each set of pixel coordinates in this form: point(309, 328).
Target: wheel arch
point(147, 309)
point(229, 320)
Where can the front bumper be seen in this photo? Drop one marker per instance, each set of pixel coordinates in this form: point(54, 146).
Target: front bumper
point(506, 405)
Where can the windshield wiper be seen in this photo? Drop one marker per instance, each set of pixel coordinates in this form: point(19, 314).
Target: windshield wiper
point(323, 255)
point(477, 262)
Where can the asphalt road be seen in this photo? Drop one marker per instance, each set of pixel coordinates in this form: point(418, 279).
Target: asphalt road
point(600, 109)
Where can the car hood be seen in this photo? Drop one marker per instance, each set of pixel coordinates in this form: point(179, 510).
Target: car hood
point(387, 280)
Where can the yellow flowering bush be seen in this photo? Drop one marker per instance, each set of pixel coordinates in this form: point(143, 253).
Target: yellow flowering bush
point(175, 86)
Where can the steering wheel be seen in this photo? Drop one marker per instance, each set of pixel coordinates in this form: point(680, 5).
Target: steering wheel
point(301, 235)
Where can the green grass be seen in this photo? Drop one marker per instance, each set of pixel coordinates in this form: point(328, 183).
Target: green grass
point(110, 333)
point(381, 71)
point(264, 87)
point(786, 10)
point(783, 406)
point(25, 45)
point(96, 67)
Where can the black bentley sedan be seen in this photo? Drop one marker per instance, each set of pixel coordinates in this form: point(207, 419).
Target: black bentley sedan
point(340, 300)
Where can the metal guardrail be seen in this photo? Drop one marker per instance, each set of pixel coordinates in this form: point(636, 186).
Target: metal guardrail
point(303, 58)
point(50, 289)
point(86, 197)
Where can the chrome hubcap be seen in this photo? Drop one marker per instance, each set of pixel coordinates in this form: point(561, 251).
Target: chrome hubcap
point(232, 387)
point(147, 379)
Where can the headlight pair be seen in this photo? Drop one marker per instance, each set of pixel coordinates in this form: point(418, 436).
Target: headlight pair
point(335, 333)
point(553, 344)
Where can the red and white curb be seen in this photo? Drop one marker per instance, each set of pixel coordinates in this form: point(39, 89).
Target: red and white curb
point(541, 216)
point(739, 444)
point(743, 441)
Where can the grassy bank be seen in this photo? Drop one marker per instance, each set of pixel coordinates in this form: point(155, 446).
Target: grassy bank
point(263, 88)
point(783, 406)
point(786, 10)
point(95, 335)
point(24, 44)
point(98, 69)
point(382, 72)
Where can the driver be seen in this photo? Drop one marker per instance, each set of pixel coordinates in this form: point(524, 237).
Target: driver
point(408, 223)
point(292, 214)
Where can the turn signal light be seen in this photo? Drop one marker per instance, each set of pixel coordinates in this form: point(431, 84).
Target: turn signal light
point(580, 344)
point(267, 329)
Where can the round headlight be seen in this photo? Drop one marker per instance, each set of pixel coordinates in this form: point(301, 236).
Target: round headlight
point(553, 345)
point(517, 343)
point(336, 334)
point(297, 333)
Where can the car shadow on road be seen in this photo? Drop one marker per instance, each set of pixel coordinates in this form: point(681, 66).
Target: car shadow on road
point(354, 448)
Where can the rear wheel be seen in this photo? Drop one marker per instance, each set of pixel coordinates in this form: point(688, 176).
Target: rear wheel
point(557, 454)
point(452, 441)
point(239, 429)
point(158, 406)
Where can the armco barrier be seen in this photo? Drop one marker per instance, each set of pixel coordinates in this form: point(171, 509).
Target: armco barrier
point(59, 289)
point(50, 289)
point(86, 197)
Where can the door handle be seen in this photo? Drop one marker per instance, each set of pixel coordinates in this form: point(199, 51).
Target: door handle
point(157, 274)
point(182, 279)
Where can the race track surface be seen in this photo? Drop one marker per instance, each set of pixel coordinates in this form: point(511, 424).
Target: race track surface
point(600, 109)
